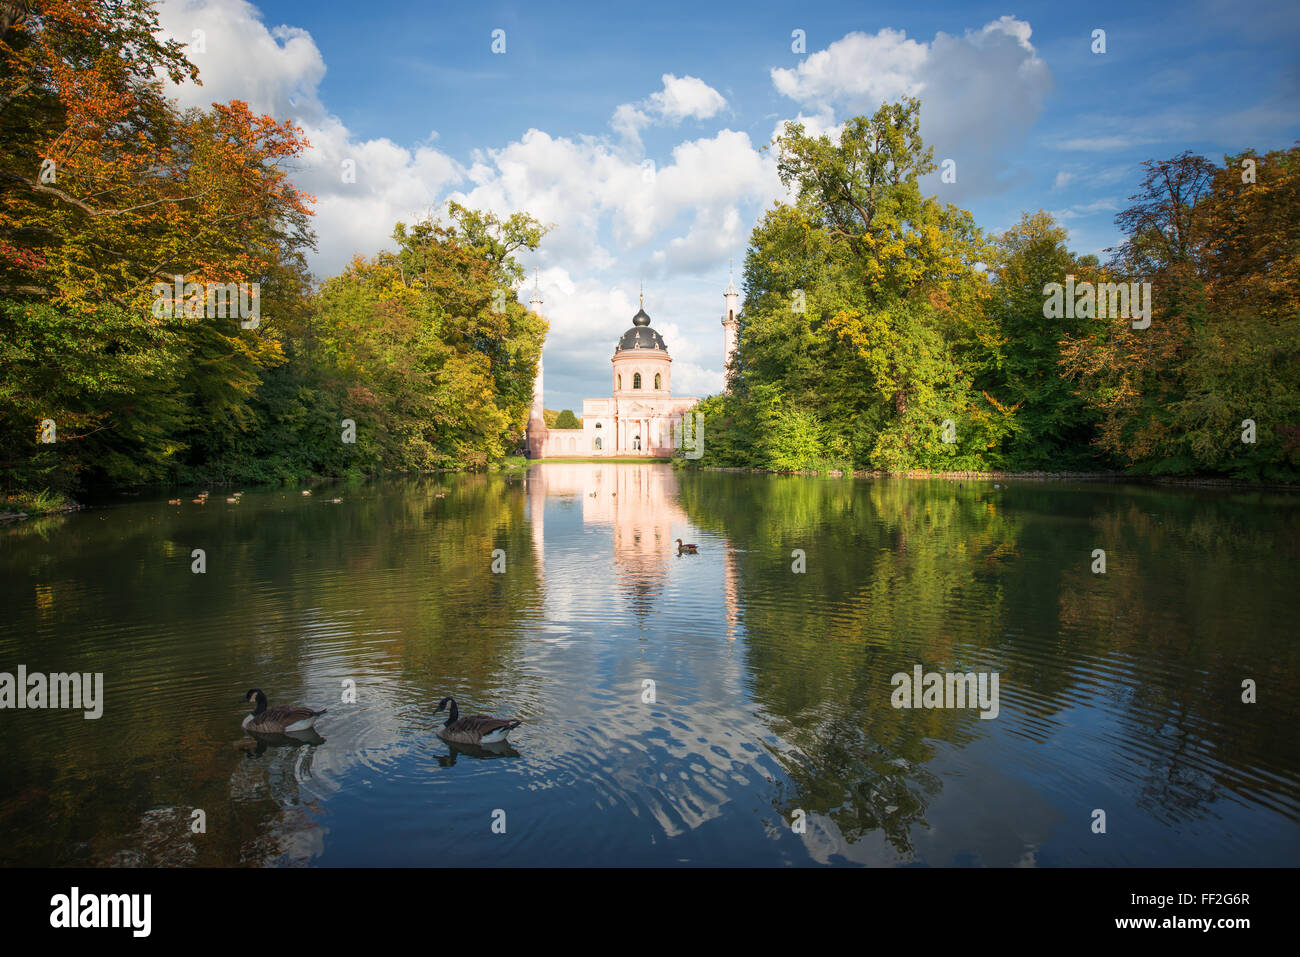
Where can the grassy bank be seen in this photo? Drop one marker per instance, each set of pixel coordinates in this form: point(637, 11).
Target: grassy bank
point(20, 505)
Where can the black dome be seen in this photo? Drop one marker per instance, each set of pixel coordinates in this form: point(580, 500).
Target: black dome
point(641, 336)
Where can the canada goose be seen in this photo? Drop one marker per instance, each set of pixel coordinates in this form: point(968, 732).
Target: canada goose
point(281, 719)
point(173, 501)
point(475, 729)
point(686, 549)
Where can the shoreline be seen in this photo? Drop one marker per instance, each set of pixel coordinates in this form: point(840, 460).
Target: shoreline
point(1191, 481)
point(13, 517)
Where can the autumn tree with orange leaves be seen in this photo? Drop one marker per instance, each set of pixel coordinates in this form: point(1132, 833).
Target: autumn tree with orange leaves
point(1220, 363)
point(108, 189)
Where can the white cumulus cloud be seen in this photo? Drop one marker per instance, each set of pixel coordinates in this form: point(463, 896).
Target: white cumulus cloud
point(684, 97)
point(980, 92)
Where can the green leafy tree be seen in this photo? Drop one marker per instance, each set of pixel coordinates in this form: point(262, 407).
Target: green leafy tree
point(864, 305)
point(436, 359)
point(1053, 427)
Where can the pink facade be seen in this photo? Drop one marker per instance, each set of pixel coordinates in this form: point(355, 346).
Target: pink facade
point(638, 419)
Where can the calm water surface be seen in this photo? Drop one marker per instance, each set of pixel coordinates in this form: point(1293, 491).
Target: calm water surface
point(1119, 692)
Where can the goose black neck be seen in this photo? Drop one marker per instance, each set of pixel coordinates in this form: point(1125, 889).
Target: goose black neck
point(452, 713)
point(261, 704)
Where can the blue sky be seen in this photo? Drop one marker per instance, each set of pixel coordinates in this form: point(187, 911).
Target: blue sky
point(568, 120)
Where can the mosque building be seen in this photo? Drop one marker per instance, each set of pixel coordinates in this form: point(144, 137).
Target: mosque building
point(640, 418)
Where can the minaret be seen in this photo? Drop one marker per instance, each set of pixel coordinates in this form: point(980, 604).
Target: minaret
point(536, 420)
point(730, 321)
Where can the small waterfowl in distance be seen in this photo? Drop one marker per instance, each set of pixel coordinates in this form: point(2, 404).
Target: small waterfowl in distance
point(686, 549)
point(476, 729)
point(278, 719)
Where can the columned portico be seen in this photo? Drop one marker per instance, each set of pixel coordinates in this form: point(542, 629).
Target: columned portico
point(638, 418)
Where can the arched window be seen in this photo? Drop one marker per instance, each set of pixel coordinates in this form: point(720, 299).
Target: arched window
point(597, 425)
point(636, 380)
point(596, 442)
point(658, 382)
point(619, 383)
point(731, 314)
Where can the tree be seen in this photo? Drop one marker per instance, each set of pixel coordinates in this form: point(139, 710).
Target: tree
point(864, 302)
point(567, 420)
point(1224, 341)
point(110, 190)
point(1053, 425)
point(436, 359)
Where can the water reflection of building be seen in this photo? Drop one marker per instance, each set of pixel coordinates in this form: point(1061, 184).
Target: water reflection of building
point(731, 593)
point(639, 505)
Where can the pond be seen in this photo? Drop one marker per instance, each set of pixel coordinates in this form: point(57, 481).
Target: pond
point(737, 706)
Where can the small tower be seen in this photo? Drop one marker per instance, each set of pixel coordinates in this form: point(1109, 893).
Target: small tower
point(535, 304)
point(730, 321)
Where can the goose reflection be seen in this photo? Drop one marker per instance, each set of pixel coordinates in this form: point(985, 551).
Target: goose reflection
point(501, 749)
point(296, 739)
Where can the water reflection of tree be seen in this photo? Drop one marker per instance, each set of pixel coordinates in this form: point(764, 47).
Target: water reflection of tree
point(1196, 588)
point(297, 591)
point(970, 577)
point(883, 557)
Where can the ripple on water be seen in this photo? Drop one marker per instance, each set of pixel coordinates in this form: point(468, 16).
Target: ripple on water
point(771, 688)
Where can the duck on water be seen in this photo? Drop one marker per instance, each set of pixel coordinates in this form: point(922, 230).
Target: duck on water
point(474, 729)
point(278, 719)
